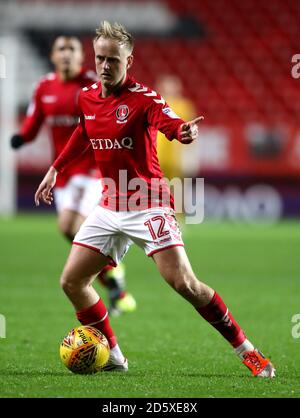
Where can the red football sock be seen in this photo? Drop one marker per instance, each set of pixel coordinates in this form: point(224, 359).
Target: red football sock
point(218, 315)
point(97, 316)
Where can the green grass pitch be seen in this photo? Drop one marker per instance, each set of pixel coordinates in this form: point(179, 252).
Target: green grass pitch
point(172, 352)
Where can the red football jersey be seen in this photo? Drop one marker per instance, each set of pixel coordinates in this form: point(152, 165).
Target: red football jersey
point(122, 130)
point(55, 102)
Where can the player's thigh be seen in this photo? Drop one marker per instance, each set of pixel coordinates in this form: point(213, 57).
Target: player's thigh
point(69, 221)
point(82, 264)
point(154, 230)
point(101, 232)
point(174, 265)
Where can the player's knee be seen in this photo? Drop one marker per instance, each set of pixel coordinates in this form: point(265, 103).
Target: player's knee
point(67, 284)
point(66, 226)
point(67, 231)
point(186, 285)
point(194, 291)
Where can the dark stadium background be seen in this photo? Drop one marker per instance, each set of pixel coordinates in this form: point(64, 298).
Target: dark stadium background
point(235, 61)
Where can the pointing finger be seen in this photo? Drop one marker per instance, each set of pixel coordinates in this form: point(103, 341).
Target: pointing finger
point(196, 120)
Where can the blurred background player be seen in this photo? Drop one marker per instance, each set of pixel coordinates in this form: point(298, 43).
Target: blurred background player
point(171, 154)
point(77, 190)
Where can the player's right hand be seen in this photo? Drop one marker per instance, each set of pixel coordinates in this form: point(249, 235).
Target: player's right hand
point(16, 141)
point(44, 191)
point(189, 130)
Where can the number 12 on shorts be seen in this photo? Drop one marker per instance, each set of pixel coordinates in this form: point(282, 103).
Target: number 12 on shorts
point(153, 224)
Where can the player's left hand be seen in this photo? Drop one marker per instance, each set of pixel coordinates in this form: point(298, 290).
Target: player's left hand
point(189, 130)
point(16, 141)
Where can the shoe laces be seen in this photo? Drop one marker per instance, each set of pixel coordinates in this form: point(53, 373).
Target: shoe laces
point(255, 361)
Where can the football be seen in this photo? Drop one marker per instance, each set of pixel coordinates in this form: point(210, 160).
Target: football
point(84, 350)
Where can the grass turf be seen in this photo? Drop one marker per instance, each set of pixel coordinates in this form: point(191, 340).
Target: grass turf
point(172, 352)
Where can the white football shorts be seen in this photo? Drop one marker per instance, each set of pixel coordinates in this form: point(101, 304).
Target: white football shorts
point(111, 233)
point(81, 194)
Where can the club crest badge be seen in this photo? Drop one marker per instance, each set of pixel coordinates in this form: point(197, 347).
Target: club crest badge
point(122, 113)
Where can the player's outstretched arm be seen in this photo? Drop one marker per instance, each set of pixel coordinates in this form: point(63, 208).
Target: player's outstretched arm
point(188, 131)
point(44, 191)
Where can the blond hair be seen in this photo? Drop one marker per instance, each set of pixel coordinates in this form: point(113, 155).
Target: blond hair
point(116, 32)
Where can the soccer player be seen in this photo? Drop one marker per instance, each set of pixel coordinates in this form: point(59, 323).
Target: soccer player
point(78, 188)
point(170, 153)
point(119, 118)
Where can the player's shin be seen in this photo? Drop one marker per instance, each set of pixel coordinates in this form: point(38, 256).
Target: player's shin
point(97, 316)
point(218, 315)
